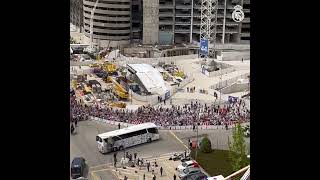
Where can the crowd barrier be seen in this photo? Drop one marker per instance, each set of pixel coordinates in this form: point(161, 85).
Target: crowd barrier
point(229, 81)
point(201, 127)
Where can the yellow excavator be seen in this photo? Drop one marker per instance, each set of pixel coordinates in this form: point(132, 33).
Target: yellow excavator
point(118, 89)
point(109, 67)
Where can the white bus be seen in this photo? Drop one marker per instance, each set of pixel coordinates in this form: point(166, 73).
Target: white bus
point(127, 137)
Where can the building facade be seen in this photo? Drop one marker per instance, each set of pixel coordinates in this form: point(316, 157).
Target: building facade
point(117, 22)
point(111, 21)
point(179, 21)
point(76, 13)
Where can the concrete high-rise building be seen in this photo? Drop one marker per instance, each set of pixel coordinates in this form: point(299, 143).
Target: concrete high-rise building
point(118, 22)
point(111, 21)
point(76, 13)
point(179, 21)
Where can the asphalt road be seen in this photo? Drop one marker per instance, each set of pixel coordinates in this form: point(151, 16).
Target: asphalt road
point(83, 144)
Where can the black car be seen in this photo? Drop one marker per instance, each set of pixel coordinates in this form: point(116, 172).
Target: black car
point(77, 167)
point(197, 176)
point(185, 159)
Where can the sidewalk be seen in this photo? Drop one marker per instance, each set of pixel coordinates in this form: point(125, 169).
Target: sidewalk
point(136, 173)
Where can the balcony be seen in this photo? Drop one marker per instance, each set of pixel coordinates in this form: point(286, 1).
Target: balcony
point(182, 31)
point(166, 6)
point(165, 14)
point(245, 34)
point(196, 23)
point(182, 22)
point(165, 29)
point(196, 31)
point(183, 15)
point(165, 22)
point(180, 6)
point(196, 15)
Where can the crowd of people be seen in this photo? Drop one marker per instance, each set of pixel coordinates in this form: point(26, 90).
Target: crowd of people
point(176, 115)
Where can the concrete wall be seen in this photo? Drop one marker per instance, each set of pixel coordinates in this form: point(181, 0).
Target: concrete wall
point(235, 56)
point(229, 81)
point(218, 73)
point(235, 88)
point(129, 60)
point(152, 100)
point(150, 21)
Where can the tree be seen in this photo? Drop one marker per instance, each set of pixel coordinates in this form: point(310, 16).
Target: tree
point(205, 145)
point(238, 149)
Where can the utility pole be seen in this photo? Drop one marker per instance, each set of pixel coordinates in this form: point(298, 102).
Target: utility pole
point(198, 117)
point(220, 82)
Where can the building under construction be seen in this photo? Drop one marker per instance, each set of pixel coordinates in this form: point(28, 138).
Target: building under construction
point(161, 22)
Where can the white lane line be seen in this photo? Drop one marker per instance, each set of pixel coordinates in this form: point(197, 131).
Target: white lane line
point(178, 140)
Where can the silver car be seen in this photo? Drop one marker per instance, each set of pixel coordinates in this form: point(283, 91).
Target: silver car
point(189, 171)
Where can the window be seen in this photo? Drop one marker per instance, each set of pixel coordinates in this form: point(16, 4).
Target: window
point(184, 164)
point(98, 139)
point(153, 130)
point(116, 138)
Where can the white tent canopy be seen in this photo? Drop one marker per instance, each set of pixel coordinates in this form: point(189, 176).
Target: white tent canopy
point(150, 77)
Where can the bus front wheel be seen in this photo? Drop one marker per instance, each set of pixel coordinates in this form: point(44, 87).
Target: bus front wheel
point(149, 140)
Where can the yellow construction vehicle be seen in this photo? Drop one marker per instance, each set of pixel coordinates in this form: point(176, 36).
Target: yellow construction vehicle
point(179, 74)
point(94, 65)
point(87, 89)
point(118, 104)
point(109, 67)
point(74, 84)
point(118, 89)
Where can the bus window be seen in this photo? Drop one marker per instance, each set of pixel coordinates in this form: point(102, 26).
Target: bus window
point(98, 139)
point(153, 130)
point(116, 138)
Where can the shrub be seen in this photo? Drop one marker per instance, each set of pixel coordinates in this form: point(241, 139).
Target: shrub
point(205, 145)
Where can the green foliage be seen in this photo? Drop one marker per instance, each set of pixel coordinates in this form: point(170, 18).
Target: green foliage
point(237, 148)
point(205, 145)
point(215, 163)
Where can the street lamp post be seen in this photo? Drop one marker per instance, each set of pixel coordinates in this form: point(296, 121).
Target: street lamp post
point(197, 135)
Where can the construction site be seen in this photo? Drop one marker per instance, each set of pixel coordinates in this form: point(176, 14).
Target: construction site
point(147, 27)
point(131, 55)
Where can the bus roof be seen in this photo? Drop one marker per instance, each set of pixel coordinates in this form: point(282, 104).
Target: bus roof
point(127, 130)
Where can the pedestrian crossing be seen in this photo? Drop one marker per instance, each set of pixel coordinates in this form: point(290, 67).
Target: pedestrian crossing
point(136, 173)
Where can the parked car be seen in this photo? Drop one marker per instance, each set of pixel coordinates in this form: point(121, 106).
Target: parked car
point(197, 176)
point(176, 157)
point(187, 164)
point(188, 172)
point(77, 167)
point(85, 57)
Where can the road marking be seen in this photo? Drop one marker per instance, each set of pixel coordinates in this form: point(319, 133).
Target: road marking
point(95, 177)
point(108, 164)
point(107, 169)
point(179, 140)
